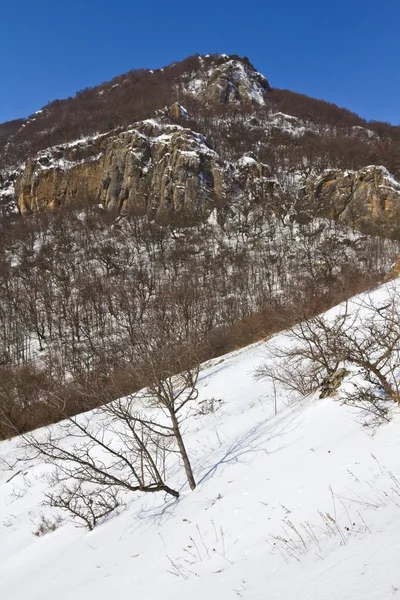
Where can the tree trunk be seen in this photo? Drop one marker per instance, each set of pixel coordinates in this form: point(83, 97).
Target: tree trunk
point(169, 490)
point(182, 450)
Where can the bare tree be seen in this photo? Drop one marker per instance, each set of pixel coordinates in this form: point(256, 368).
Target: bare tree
point(107, 449)
point(124, 445)
point(363, 335)
point(83, 504)
point(168, 367)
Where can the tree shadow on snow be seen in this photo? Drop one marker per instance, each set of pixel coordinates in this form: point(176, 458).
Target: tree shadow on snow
point(244, 448)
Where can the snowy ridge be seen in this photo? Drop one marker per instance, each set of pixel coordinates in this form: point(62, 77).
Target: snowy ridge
point(304, 503)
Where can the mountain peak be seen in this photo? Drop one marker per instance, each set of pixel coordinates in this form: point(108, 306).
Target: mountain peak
point(224, 79)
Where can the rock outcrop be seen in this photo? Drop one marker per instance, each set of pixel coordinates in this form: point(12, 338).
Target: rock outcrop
point(368, 199)
point(152, 168)
point(230, 82)
point(155, 168)
point(161, 167)
point(235, 81)
point(163, 170)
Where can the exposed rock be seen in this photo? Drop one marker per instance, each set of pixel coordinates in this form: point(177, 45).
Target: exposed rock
point(366, 199)
point(255, 183)
point(177, 112)
point(155, 168)
point(333, 382)
point(152, 168)
point(161, 171)
point(251, 193)
point(232, 81)
point(60, 176)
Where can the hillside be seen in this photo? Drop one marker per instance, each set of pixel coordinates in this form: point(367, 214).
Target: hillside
point(196, 201)
point(295, 496)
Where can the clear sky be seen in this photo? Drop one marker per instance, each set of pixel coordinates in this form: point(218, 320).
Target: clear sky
point(343, 51)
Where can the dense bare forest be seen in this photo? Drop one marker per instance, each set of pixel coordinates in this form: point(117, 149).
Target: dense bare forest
point(79, 289)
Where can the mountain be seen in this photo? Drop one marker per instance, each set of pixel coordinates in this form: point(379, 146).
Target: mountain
point(194, 204)
point(205, 134)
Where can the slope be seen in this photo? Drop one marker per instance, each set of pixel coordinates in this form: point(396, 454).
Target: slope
point(303, 503)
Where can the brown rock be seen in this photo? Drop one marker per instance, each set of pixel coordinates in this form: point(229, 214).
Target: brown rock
point(368, 199)
point(152, 168)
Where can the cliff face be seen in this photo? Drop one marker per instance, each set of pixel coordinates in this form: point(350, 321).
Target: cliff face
point(368, 198)
point(159, 170)
point(163, 170)
point(155, 169)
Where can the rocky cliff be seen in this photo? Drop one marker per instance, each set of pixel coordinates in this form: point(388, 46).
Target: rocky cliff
point(366, 199)
point(155, 168)
point(163, 170)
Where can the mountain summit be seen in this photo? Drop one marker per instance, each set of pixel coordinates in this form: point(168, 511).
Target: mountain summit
point(226, 80)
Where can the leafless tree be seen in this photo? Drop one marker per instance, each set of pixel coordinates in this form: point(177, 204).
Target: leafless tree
point(112, 448)
point(168, 367)
point(85, 504)
point(364, 336)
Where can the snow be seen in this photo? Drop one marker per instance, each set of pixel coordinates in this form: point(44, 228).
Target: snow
point(246, 160)
point(242, 75)
point(390, 179)
point(152, 122)
point(8, 191)
point(82, 141)
point(62, 163)
point(213, 218)
point(257, 525)
point(289, 124)
point(363, 131)
point(183, 112)
point(196, 86)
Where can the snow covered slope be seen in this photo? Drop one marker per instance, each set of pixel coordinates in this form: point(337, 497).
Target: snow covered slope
point(303, 504)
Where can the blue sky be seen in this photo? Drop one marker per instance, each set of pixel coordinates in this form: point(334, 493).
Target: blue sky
point(346, 51)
